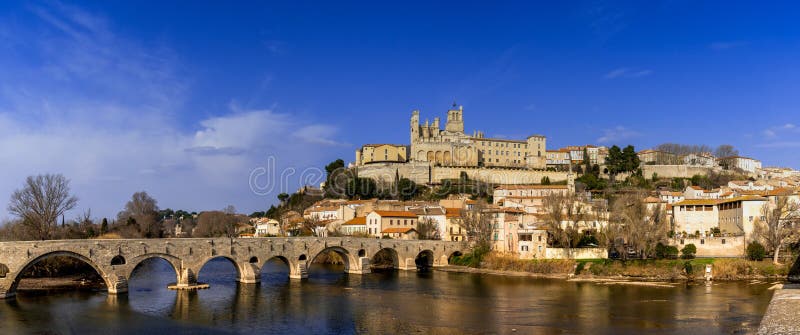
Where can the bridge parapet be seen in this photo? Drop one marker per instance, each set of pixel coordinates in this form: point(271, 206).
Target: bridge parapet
point(115, 260)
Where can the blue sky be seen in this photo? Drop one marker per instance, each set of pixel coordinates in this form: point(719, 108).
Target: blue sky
point(189, 101)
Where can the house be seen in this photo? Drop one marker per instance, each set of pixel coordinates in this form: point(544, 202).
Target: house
point(697, 192)
point(400, 233)
point(454, 231)
point(505, 225)
point(434, 214)
point(266, 227)
point(558, 160)
point(748, 185)
point(746, 164)
point(731, 216)
point(700, 159)
point(670, 197)
point(378, 221)
point(354, 226)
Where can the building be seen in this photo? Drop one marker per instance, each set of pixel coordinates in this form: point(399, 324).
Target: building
point(400, 233)
point(746, 164)
point(670, 197)
point(382, 153)
point(529, 198)
point(731, 216)
point(266, 227)
point(355, 226)
point(505, 224)
point(435, 214)
point(748, 185)
point(558, 160)
point(700, 159)
point(697, 192)
point(454, 231)
point(451, 146)
point(656, 157)
point(378, 221)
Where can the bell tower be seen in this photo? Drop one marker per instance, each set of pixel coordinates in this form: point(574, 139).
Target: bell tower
point(455, 120)
point(414, 125)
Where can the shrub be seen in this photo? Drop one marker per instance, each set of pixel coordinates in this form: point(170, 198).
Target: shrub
point(755, 251)
point(688, 251)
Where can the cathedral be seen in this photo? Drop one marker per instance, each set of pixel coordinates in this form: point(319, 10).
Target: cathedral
point(451, 146)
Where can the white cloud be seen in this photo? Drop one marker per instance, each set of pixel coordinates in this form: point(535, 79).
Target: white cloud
point(625, 72)
point(616, 134)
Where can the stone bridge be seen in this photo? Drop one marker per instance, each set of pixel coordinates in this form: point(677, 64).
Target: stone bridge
point(115, 260)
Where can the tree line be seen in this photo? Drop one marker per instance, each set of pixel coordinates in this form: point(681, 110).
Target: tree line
point(44, 199)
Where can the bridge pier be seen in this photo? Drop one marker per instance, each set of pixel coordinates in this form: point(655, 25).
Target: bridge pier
point(187, 280)
point(249, 273)
point(361, 268)
point(300, 272)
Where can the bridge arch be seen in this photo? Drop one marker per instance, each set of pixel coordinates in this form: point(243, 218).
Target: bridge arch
point(103, 274)
point(448, 259)
point(383, 257)
point(173, 261)
point(350, 262)
point(424, 260)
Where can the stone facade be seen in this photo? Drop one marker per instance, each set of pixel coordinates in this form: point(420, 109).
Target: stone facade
point(382, 153)
point(115, 260)
point(424, 173)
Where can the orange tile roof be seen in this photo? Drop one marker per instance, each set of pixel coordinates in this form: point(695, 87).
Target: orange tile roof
point(531, 187)
point(356, 221)
point(397, 230)
point(396, 214)
point(452, 212)
point(697, 188)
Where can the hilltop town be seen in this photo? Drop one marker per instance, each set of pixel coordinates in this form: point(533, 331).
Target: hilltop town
point(580, 201)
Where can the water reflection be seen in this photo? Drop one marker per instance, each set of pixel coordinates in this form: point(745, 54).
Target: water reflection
point(331, 301)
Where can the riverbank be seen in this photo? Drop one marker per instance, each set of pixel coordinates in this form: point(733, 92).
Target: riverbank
point(633, 270)
point(71, 282)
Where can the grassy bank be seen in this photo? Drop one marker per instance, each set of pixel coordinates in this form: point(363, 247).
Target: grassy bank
point(661, 270)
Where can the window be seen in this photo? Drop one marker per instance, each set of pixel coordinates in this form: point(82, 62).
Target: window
point(391, 222)
point(405, 222)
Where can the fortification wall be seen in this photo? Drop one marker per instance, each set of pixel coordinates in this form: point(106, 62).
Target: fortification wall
point(424, 173)
point(577, 253)
point(676, 171)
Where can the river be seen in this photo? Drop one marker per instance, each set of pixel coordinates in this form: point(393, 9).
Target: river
point(331, 302)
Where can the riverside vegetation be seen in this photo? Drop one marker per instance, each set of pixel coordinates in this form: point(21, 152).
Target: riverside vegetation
point(639, 269)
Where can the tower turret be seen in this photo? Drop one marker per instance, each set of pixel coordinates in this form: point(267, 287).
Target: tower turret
point(455, 119)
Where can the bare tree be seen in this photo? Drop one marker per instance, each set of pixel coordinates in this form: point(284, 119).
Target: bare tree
point(477, 225)
point(563, 215)
point(141, 212)
point(229, 209)
point(683, 149)
point(41, 201)
point(635, 225)
point(428, 229)
point(778, 224)
point(215, 224)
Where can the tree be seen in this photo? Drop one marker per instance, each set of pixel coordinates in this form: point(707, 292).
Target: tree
point(215, 224)
point(229, 209)
point(41, 201)
point(545, 180)
point(428, 229)
point(336, 178)
point(283, 197)
point(407, 189)
point(562, 215)
point(688, 251)
point(778, 224)
point(104, 226)
point(725, 152)
point(477, 226)
point(755, 251)
point(142, 210)
point(635, 225)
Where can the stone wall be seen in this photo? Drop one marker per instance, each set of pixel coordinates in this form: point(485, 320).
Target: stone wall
point(577, 253)
point(676, 171)
point(714, 246)
point(424, 173)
